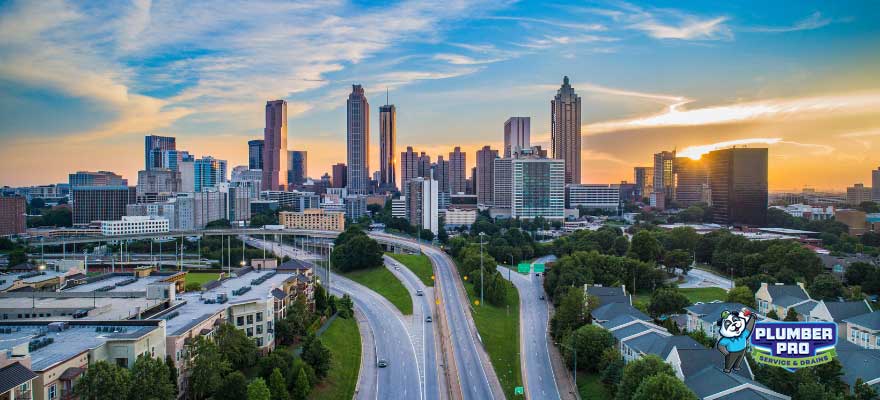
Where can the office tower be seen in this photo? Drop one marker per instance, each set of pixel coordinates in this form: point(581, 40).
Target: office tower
point(275, 146)
point(157, 184)
point(387, 148)
point(255, 154)
point(409, 166)
point(101, 203)
point(516, 135)
point(485, 171)
point(875, 184)
point(153, 147)
point(171, 159)
point(440, 171)
point(340, 175)
point(251, 179)
point(297, 168)
point(644, 178)
point(209, 172)
point(502, 180)
point(472, 182)
point(187, 169)
point(358, 139)
point(537, 187)
point(738, 181)
point(457, 171)
point(664, 174)
point(12, 216)
point(565, 130)
point(424, 165)
point(100, 178)
point(422, 203)
point(857, 194)
point(691, 178)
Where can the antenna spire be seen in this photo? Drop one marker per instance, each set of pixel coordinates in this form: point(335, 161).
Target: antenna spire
point(387, 97)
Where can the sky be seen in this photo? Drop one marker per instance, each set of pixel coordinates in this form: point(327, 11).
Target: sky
point(81, 83)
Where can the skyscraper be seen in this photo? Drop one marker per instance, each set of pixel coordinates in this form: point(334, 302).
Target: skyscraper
point(537, 188)
point(340, 175)
point(644, 178)
point(441, 174)
point(501, 182)
point(424, 165)
point(409, 166)
point(208, 172)
point(275, 146)
point(101, 203)
point(516, 135)
point(457, 171)
point(875, 184)
point(485, 175)
point(738, 181)
point(565, 130)
point(358, 139)
point(387, 148)
point(100, 178)
point(297, 167)
point(664, 174)
point(691, 180)
point(422, 203)
point(154, 145)
point(255, 154)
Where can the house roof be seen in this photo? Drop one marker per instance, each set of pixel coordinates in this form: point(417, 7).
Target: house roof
point(858, 362)
point(612, 310)
point(711, 379)
point(805, 307)
point(608, 294)
point(869, 320)
point(711, 312)
point(295, 265)
point(787, 295)
point(649, 343)
point(279, 294)
point(631, 330)
point(14, 375)
point(618, 321)
point(841, 310)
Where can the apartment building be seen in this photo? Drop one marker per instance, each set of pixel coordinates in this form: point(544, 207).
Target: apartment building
point(313, 219)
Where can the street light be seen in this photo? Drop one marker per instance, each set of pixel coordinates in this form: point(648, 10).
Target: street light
point(481, 267)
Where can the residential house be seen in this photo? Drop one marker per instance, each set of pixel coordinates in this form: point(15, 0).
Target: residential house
point(838, 311)
point(703, 316)
point(606, 294)
point(16, 382)
point(864, 330)
point(859, 363)
point(780, 297)
point(610, 311)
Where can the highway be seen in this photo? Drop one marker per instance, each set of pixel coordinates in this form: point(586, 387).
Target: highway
point(402, 378)
point(697, 278)
point(475, 373)
point(534, 316)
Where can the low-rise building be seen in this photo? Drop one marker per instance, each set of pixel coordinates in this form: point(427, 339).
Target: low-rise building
point(702, 316)
point(130, 225)
point(16, 382)
point(593, 196)
point(313, 219)
point(813, 213)
point(838, 312)
point(864, 330)
point(780, 297)
point(460, 217)
point(12, 215)
point(855, 220)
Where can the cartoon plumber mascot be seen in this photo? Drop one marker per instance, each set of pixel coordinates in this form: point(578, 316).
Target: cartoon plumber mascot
point(734, 328)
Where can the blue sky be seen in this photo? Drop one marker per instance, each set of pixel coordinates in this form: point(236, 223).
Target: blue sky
point(81, 83)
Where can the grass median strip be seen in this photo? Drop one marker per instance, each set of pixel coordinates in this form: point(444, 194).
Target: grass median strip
point(419, 264)
point(499, 329)
point(344, 342)
point(383, 282)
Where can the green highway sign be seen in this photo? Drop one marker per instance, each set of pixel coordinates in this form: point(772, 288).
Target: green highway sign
point(539, 267)
point(523, 268)
point(519, 390)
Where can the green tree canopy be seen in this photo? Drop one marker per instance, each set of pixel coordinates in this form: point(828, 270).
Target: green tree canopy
point(645, 247)
point(234, 387)
point(103, 380)
point(639, 371)
point(826, 287)
point(662, 386)
point(317, 356)
point(358, 252)
point(257, 390)
point(207, 367)
point(278, 386)
point(589, 341)
point(667, 301)
point(742, 295)
point(149, 372)
point(235, 346)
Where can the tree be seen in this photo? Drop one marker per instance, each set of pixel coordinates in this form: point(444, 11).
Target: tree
point(315, 354)
point(207, 368)
point(645, 247)
point(262, 219)
point(193, 287)
point(862, 391)
point(321, 301)
point(773, 315)
point(172, 372)
point(742, 295)
point(637, 372)
point(678, 259)
point(345, 307)
point(570, 314)
point(278, 386)
point(359, 252)
point(236, 347)
point(869, 207)
point(589, 341)
point(257, 390)
point(235, 387)
point(17, 256)
point(662, 386)
point(103, 380)
point(218, 224)
point(667, 301)
point(149, 372)
point(301, 387)
point(791, 315)
point(826, 287)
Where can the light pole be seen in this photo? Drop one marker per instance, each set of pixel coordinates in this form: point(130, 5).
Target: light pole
point(481, 267)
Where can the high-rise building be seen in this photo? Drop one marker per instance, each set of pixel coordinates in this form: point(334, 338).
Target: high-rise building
point(275, 146)
point(644, 178)
point(12, 215)
point(565, 130)
point(472, 182)
point(538, 188)
point(157, 183)
point(171, 159)
point(502, 181)
point(485, 175)
point(358, 139)
point(153, 147)
point(593, 196)
point(208, 172)
point(858, 193)
point(738, 183)
point(100, 178)
point(664, 174)
point(297, 167)
point(422, 204)
point(187, 169)
point(101, 203)
point(424, 165)
point(516, 135)
point(457, 171)
point(875, 184)
point(409, 166)
point(691, 181)
point(440, 171)
point(387, 148)
point(255, 154)
point(340, 175)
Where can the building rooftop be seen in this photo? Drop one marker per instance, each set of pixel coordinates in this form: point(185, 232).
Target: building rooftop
point(14, 375)
point(100, 308)
point(787, 295)
point(841, 310)
point(140, 285)
point(858, 362)
point(711, 312)
point(6, 281)
point(610, 311)
point(869, 320)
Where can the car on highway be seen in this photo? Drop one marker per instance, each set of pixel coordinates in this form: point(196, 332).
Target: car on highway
point(541, 297)
point(419, 292)
point(428, 319)
point(382, 363)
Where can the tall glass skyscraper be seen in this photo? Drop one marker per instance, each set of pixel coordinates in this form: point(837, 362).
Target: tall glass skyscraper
point(565, 130)
point(457, 171)
point(275, 146)
point(154, 146)
point(209, 171)
point(516, 135)
point(358, 140)
point(255, 154)
point(296, 161)
point(738, 181)
point(387, 147)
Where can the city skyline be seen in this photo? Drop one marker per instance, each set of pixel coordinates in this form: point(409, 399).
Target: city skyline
point(797, 79)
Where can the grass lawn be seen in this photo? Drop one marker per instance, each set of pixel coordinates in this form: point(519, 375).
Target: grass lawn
point(201, 277)
point(344, 342)
point(419, 264)
point(590, 387)
point(705, 295)
point(500, 333)
point(382, 281)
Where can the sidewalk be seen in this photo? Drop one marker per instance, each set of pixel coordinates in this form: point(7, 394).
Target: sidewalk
point(564, 380)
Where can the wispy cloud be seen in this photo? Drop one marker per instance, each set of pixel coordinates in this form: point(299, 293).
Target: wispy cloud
point(662, 23)
point(556, 23)
point(690, 29)
point(458, 59)
point(695, 152)
point(860, 134)
point(814, 21)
